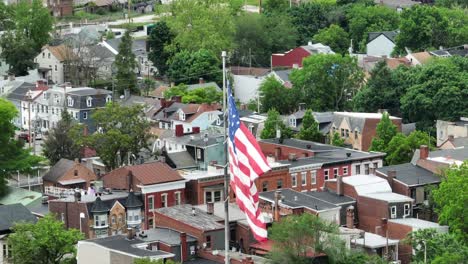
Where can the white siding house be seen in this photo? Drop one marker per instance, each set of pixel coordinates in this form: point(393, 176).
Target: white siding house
point(381, 43)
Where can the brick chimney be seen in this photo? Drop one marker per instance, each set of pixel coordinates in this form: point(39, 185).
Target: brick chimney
point(350, 217)
point(278, 153)
point(85, 130)
point(451, 138)
point(183, 247)
point(210, 208)
point(371, 170)
point(391, 175)
point(339, 185)
point(195, 130)
point(423, 152)
point(276, 216)
point(248, 260)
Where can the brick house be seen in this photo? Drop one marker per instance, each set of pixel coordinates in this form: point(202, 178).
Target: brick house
point(294, 57)
point(100, 215)
point(358, 129)
point(160, 185)
point(69, 174)
point(204, 187)
point(60, 8)
point(309, 164)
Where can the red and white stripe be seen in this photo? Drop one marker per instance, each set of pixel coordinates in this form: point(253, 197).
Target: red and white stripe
point(246, 164)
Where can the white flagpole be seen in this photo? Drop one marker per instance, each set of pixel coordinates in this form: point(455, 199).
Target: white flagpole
point(226, 176)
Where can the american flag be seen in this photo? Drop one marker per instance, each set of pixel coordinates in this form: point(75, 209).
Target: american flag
point(246, 163)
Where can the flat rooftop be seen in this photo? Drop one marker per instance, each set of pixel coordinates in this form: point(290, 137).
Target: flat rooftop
point(165, 235)
point(363, 115)
point(419, 224)
point(411, 175)
point(235, 214)
point(332, 198)
point(295, 199)
point(371, 240)
point(200, 220)
point(365, 184)
point(389, 197)
point(89, 198)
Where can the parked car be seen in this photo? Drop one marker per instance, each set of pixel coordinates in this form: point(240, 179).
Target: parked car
point(38, 136)
point(24, 136)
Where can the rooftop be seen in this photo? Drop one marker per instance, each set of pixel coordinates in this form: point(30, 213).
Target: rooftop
point(371, 240)
point(411, 175)
point(19, 195)
point(363, 115)
point(331, 197)
point(366, 184)
point(391, 35)
point(91, 198)
point(201, 220)
point(235, 214)
point(135, 247)
point(295, 199)
point(419, 224)
point(460, 154)
point(165, 235)
point(201, 174)
point(148, 173)
point(14, 213)
point(390, 197)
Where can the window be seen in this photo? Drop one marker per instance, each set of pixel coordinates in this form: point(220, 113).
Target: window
point(355, 134)
point(164, 200)
point(108, 99)
point(121, 219)
point(358, 169)
point(89, 101)
point(208, 241)
point(213, 196)
point(294, 179)
point(77, 115)
point(100, 220)
point(335, 172)
point(366, 169)
point(133, 215)
point(150, 203)
point(313, 177)
point(85, 115)
point(53, 110)
point(48, 55)
point(199, 154)
point(347, 133)
point(326, 174)
point(279, 184)
point(56, 68)
point(265, 186)
point(376, 165)
point(292, 122)
point(182, 116)
point(177, 198)
point(345, 171)
point(70, 101)
point(393, 212)
point(304, 178)
point(56, 99)
point(217, 196)
point(44, 95)
point(43, 54)
point(208, 197)
point(75, 173)
point(113, 219)
point(342, 132)
point(407, 209)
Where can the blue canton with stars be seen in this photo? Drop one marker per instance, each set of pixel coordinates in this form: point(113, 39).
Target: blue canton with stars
point(234, 121)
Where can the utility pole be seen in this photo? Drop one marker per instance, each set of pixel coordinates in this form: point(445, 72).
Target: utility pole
point(29, 116)
point(226, 176)
point(129, 4)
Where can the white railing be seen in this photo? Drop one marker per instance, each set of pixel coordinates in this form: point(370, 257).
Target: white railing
point(58, 191)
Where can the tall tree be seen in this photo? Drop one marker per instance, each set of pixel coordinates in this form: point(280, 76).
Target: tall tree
point(46, 242)
point(327, 82)
point(274, 95)
point(18, 52)
point(274, 7)
point(451, 200)
point(13, 157)
point(126, 64)
point(385, 131)
point(208, 94)
point(159, 40)
point(310, 128)
point(274, 123)
point(335, 37)
point(189, 66)
point(34, 20)
point(59, 143)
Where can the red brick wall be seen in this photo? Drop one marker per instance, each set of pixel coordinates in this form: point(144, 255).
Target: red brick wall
point(369, 131)
point(157, 201)
point(272, 177)
point(194, 190)
point(370, 213)
point(71, 215)
point(269, 149)
point(120, 182)
point(398, 231)
point(295, 56)
point(243, 232)
point(397, 187)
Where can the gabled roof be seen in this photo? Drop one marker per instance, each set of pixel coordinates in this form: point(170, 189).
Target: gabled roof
point(99, 206)
point(14, 213)
point(19, 94)
point(60, 52)
point(411, 175)
point(58, 170)
point(356, 120)
point(391, 35)
point(423, 57)
point(318, 48)
point(148, 173)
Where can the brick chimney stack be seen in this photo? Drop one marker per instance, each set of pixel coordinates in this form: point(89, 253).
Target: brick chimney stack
point(248, 260)
point(276, 216)
point(183, 247)
point(391, 175)
point(210, 208)
point(423, 152)
point(350, 217)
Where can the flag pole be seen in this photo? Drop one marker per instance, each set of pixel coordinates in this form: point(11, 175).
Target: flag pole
point(226, 176)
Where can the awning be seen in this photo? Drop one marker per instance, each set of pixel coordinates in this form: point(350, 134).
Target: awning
point(68, 182)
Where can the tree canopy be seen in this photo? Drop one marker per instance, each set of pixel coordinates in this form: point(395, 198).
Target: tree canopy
point(126, 64)
point(385, 131)
point(208, 95)
point(160, 38)
point(310, 128)
point(13, 157)
point(46, 242)
point(274, 123)
point(274, 95)
point(335, 37)
point(189, 66)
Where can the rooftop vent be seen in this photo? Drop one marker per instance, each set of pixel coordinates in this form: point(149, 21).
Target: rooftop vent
point(348, 154)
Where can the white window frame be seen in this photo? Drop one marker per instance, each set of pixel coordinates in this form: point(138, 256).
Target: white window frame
point(70, 101)
point(366, 169)
point(304, 178)
point(294, 180)
point(182, 116)
point(393, 212)
point(336, 172)
point(164, 200)
point(177, 198)
point(345, 171)
point(108, 99)
point(407, 210)
point(357, 167)
point(292, 122)
point(326, 174)
point(56, 99)
point(89, 101)
point(313, 177)
point(85, 115)
point(151, 198)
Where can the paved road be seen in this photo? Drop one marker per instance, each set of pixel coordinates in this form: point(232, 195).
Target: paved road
point(139, 19)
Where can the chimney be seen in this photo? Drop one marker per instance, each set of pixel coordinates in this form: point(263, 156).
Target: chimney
point(277, 153)
point(292, 157)
point(130, 234)
point(179, 130)
point(350, 217)
point(384, 227)
point(451, 138)
point(85, 130)
point(163, 103)
point(177, 99)
point(195, 130)
point(183, 247)
point(201, 80)
point(11, 77)
point(423, 152)
point(371, 170)
point(391, 175)
point(210, 208)
point(276, 216)
point(339, 185)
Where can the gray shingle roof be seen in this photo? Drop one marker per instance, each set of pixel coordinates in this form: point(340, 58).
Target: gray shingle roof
point(19, 94)
point(297, 199)
point(410, 174)
point(132, 201)
point(14, 213)
point(165, 235)
point(138, 45)
point(201, 220)
point(458, 154)
point(99, 206)
point(122, 244)
point(182, 159)
point(283, 74)
point(332, 198)
point(58, 170)
point(391, 35)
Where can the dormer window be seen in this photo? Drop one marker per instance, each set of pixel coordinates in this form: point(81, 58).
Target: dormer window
point(292, 122)
point(108, 99)
point(56, 99)
point(89, 102)
point(70, 101)
point(182, 116)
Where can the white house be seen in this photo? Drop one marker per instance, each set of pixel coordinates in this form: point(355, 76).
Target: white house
point(247, 82)
point(381, 43)
point(51, 62)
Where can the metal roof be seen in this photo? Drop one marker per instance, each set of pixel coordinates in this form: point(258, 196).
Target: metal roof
point(295, 199)
point(201, 220)
point(410, 174)
point(14, 213)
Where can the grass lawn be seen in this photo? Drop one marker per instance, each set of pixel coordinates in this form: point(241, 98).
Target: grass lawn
point(108, 16)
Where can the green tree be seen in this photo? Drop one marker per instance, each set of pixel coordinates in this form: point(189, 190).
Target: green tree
point(124, 133)
point(327, 81)
point(18, 52)
point(199, 95)
point(400, 148)
point(364, 19)
point(336, 140)
point(59, 143)
point(46, 242)
point(438, 247)
point(335, 37)
point(273, 123)
point(385, 131)
point(281, 32)
point(310, 128)
point(6, 13)
point(452, 3)
point(274, 7)
point(126, 64)
point(274, 95)
point(207, 25)
point(188, 67)
point(451, 200)
point(148, 85)
point(13, 157)
point(159, 40)
point(296, 236)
